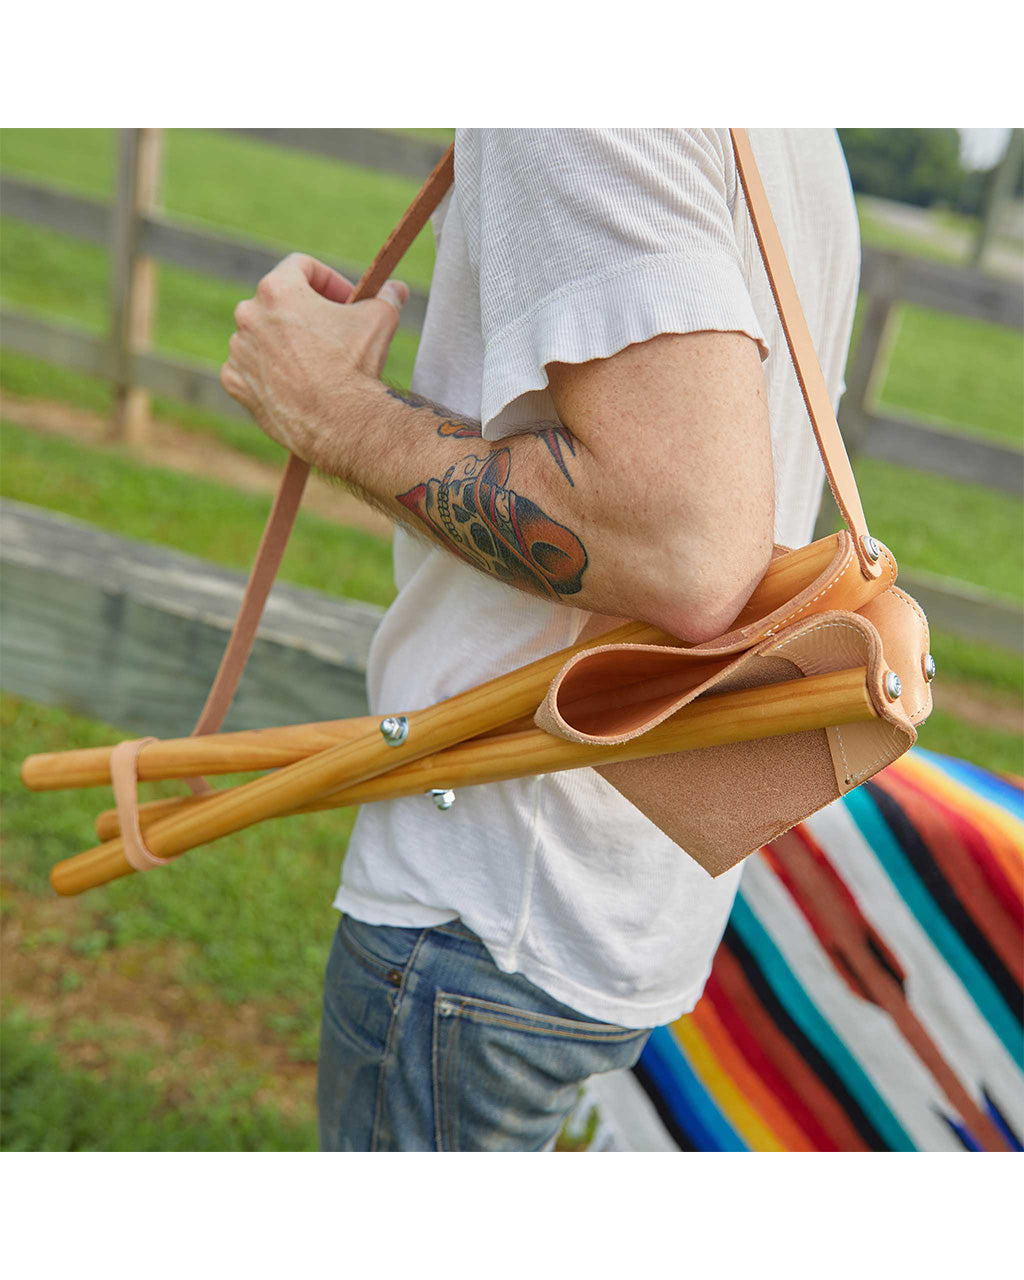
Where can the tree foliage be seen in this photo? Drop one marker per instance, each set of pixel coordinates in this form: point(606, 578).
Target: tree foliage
point(916, 166)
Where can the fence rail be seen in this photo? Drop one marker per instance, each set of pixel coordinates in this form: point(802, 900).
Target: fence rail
point(133, 634)
point(137, 234)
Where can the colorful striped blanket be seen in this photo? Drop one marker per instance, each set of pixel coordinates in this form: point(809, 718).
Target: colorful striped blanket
point(867, 994)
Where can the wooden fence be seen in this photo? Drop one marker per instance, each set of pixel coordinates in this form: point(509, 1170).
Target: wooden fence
point(132, 634)
point(138, 234)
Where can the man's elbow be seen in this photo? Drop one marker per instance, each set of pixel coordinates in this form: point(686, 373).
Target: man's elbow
point(702, 591)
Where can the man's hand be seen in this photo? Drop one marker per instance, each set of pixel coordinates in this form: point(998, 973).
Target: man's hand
point(298, 354)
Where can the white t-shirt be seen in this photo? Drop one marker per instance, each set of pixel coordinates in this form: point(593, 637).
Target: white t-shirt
point(570, 245)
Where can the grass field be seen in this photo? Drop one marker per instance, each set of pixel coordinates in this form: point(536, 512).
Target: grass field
point(152, 1015)
point(178, 1011)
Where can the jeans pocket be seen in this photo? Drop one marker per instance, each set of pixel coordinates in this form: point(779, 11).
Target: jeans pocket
point(506, 1077)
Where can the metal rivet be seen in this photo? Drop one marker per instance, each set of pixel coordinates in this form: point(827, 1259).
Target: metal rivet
point(394, 729)
point(871, 547)
point(893, 686)
point(442, 798)
point(928, 665)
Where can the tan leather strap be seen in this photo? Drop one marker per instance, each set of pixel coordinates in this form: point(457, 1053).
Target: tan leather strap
point(801, 349)
point(289, 495)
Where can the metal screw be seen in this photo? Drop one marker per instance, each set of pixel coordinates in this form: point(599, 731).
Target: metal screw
point(871, 547)
point(928, 664)
point(394, 729)
point(442, 798)
point(893, 686)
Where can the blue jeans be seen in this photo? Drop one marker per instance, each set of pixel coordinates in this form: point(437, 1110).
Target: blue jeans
point(427, 1046)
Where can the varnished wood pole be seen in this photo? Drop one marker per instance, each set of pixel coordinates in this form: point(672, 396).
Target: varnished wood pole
point(477, 710)
point(274, 748)
point(250, 750)
point(813, 702)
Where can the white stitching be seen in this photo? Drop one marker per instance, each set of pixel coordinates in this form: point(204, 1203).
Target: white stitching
point(822, 626)
point(867, 768)
point(842, 746)
point(779, 625)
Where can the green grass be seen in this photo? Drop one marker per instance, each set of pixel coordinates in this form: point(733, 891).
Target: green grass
point(958, 372)
point(244, 924)
point(945, 526)
point(187, 513)
point(286, 198)
point(55, 276)
point(252, 911)
point(991, 748)
point(45, 1105)
point(874, 231)
point(260, 191)
point(999, 670)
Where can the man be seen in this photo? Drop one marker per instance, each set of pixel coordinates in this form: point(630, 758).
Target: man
point(621, 434)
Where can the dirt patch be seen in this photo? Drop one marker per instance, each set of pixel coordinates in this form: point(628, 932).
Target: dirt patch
point(979, 706)
point(103, 1008)
point(197, 454)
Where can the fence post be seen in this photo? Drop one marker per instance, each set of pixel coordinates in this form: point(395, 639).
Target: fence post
point(999, 194)
point(865, 372)
point(132, 277)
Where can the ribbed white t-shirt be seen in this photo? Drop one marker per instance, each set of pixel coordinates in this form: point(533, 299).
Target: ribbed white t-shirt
point(570, 245)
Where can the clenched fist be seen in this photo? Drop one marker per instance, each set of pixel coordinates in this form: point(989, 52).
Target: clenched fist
point(298, 354)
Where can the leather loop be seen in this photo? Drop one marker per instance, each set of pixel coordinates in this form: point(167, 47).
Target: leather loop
point(124, 777)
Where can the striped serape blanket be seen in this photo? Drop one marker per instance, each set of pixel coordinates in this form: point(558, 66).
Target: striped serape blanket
point(867, 994)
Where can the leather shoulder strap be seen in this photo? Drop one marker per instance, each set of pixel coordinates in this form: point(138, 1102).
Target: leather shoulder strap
point(293, 482)
point(805, 361)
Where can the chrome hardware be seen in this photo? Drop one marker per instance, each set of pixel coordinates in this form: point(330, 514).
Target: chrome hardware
point(871, 546)
point(395, 730)
point(442, 798)
point(928, 666)
point(893, 686)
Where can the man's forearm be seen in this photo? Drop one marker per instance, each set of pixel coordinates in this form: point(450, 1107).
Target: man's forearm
point(651, 497)
point(510, 508)
point(532, 511)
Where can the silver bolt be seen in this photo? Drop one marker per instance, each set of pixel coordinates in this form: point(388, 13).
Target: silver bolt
point(394, 729)
point(871, 546)
point(893, 686)
point(442, 798)
point(928, 663)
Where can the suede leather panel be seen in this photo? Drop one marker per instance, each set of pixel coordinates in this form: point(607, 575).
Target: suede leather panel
point(722, 803)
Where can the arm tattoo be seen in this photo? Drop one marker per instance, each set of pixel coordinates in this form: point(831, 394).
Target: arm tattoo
point(472, 511)
point(490, 526)
point(556, 438)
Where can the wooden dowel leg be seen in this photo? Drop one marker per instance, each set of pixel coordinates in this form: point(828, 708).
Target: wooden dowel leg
point(256, 750)
point(813, 702)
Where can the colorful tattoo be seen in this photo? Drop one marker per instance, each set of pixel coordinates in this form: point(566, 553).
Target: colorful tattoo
point(461, 430)
point(556, 438)
point(473, 512)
